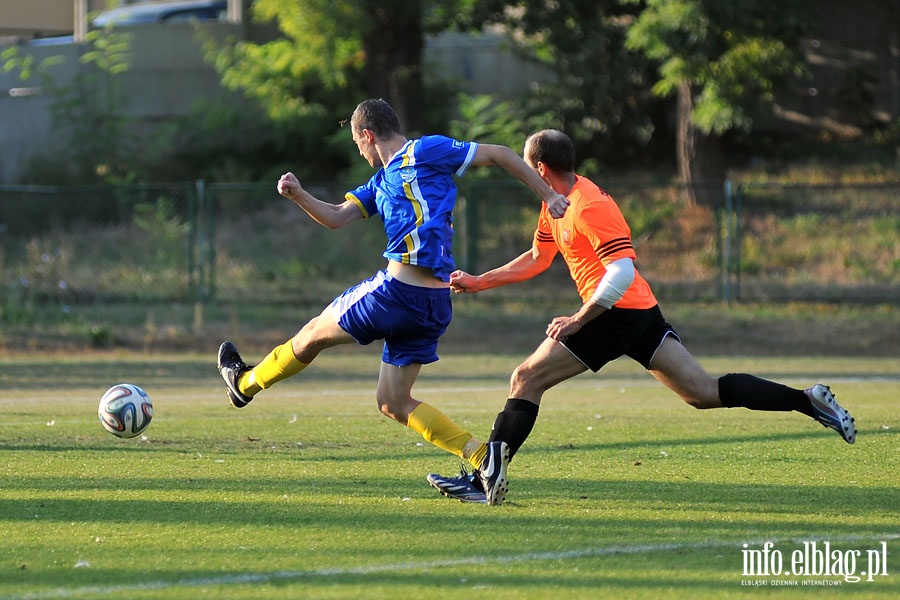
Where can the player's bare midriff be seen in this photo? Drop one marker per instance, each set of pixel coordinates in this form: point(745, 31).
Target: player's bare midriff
point(415, 275)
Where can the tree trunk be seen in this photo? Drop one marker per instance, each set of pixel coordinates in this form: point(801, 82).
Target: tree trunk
point(394, 48)
point(700, 162)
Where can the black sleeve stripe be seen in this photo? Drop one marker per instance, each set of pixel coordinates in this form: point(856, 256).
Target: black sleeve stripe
point(614, 241)
point(607, 251)
point(611, 251)
point(544, 237)
point(613, 246)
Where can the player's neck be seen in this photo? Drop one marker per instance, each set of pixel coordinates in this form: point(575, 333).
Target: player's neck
point(389, 147)
point(561, 183)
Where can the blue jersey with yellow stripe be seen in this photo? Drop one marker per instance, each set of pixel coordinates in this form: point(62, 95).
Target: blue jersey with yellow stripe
point(415, 193)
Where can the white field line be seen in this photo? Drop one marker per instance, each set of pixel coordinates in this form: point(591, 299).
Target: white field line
point(281, 576)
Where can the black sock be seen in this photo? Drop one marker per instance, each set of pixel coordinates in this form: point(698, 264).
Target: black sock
point(514, 424)
point(740, 389)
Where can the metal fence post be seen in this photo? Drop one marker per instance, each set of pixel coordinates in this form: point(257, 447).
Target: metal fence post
point(461, 233)
point(727, 215)
point(469, 238)
point(211, 245)
point(191, 249)
point(200, 294)
point(738, 241)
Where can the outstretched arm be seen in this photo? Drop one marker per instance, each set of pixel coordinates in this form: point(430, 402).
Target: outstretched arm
point(512, 163)
point(330, 215)
point(523, 267)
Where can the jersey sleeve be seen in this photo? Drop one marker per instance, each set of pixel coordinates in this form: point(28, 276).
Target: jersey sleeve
point(543, 235)
point(364, 198)
point(447, 154)
point(607, 231)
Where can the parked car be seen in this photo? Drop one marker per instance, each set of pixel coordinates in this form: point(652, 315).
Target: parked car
point(163, 12)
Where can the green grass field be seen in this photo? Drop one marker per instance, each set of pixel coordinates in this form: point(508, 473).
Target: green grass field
point(622, 491)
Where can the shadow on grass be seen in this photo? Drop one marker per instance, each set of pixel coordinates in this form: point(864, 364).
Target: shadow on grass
point(357, 450)
point(319, 500)
point(353, 521)
point(816, 432)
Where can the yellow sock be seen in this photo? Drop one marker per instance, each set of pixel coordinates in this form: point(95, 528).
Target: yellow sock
point(279, 364)
point(477, 456)
point(437, 428)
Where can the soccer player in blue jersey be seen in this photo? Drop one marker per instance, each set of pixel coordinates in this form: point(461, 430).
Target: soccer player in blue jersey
point(408, 303)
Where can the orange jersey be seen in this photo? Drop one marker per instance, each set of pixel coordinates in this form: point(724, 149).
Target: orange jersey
point(592, 234)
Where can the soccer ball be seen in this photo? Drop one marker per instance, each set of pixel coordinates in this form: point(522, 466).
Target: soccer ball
point(125, 410)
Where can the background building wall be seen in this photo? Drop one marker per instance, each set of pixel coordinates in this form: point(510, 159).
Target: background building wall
point(168, 74)
point(855, 83)
point(39, 18)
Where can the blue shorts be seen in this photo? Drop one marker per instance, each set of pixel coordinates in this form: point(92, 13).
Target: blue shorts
point(409, 318)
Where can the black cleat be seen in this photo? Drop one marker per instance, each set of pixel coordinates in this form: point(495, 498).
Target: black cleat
point(231, 366)
point(492, 473)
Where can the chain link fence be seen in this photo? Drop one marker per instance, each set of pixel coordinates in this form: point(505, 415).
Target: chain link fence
point(99, 244)
point(266, 250)
point(830, 243)
point(195, 243)
point(731, 242)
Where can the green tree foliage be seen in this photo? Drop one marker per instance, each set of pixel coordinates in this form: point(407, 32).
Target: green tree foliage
point(733, 53)
point(332, 53)
point(306, 81)
point(27, 66)
point(616, 66)
point(724, 61)
point(318, 59)
point(599, 92)
point(86, 111)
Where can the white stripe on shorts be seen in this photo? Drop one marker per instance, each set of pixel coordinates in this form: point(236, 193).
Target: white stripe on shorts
point(342, 303)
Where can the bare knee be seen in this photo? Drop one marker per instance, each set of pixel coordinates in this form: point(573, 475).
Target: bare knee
point(700, 392)
point(522, 385)
point(388, 411)
point(674, 367)
point(391, 408)
point(307, 343)
point(702, 396)
point(519, 377)
point(701, 403)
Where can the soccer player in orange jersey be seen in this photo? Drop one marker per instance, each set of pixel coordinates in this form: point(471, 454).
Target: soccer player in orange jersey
point(619, 317)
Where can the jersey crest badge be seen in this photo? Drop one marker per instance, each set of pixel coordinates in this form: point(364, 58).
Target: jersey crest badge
point(408, 174)
point(566, 237)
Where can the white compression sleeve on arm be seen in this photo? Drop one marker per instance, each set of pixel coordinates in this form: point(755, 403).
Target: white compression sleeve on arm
point(619, 275)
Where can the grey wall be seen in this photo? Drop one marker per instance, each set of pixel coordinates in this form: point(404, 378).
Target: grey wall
point(168, 73)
